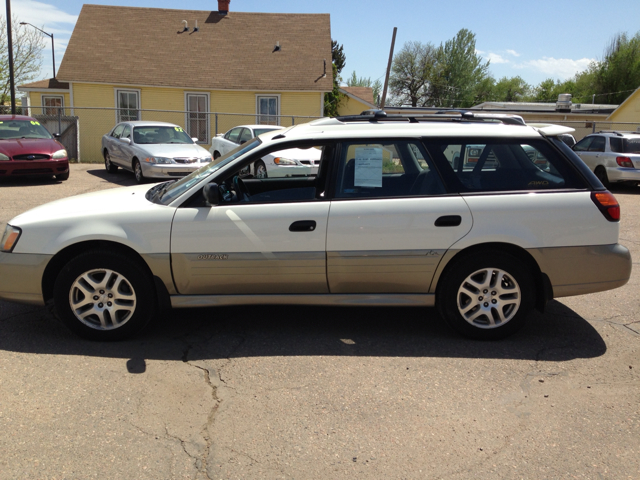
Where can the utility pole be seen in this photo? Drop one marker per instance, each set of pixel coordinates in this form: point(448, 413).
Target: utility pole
point(10, 45)
point(386, 78)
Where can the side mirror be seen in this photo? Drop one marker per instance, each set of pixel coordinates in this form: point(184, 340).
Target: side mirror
point(56, 135)
point(126, 140)
point(211, 193)
point(246, 170)
point(195, 139)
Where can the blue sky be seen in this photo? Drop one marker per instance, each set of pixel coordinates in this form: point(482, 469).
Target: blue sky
point(534, 39)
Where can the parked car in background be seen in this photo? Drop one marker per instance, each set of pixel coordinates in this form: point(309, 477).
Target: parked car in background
point(27, 148)
point(293, 162)
point(612, 156)
point(387, 221)
point(152, 150)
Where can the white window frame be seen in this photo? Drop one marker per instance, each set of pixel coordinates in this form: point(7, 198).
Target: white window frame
point(204, 141)
point(47, 96)
point(116, 96)
point(258, 115)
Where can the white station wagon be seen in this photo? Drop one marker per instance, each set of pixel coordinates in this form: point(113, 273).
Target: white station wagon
point(390, 219)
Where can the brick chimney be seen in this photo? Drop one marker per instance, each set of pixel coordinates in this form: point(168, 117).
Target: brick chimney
point(223, 7)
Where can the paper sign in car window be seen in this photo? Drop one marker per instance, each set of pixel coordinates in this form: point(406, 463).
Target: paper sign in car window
point(368, 168)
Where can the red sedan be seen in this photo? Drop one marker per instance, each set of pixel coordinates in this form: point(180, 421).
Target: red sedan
point(27, 148)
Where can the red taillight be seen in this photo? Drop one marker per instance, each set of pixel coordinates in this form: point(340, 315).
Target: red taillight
point(607, 204)
point(624, 162)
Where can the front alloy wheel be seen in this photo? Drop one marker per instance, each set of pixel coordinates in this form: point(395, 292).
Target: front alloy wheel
point(137, 171)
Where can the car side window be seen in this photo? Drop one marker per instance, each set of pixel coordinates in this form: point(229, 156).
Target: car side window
point(233, 135)
point(245, 135)
point(126, 133)
point(616, 144)
point(117, 131)
point(503, 165)
point(583, 145)
point(597, 145)
point(389, 169)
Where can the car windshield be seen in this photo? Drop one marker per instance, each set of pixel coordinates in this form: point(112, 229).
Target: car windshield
point(260, 131)
point(156, 134)
point(174, 190)
point(15, 129)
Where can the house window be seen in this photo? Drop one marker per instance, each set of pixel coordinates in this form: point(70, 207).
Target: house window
point(268, 109)
point(52, 104)
point(128, 105)
point(197, 118)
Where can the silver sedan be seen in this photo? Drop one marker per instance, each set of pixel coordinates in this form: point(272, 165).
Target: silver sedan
point(152, 150)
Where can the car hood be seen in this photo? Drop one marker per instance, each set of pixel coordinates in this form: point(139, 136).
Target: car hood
point(111, 201)
point(45, 146)
point(172, 150)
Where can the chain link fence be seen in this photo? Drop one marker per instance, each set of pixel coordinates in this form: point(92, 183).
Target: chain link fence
point(92, 123)
point(82, 128)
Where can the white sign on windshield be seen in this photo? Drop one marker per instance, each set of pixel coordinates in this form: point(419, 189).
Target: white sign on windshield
point(368, 168)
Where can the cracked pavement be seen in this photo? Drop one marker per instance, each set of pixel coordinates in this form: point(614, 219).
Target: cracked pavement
point(298, 392)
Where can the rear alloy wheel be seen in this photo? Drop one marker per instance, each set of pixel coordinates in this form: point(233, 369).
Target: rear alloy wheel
point(110, 167)
point(259, 169)
point(137, 171)
point(216, 154)
point(104, 296)
point(601, 173)
point(487, 296)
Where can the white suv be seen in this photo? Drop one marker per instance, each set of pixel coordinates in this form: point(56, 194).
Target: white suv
point(612, 156)
point(392, 218)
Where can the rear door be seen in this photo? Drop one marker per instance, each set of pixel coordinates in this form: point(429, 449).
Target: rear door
point(391, 219)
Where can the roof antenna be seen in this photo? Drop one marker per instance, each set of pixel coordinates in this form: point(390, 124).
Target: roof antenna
point(186, 28)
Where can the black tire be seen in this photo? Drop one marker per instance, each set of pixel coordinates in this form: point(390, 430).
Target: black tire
point(125, 294)
point(216, 154)
point(137, 171)
point(259, 169)
point(485, 313)
point(601, 173)
point(110, 167)
point(62, 176)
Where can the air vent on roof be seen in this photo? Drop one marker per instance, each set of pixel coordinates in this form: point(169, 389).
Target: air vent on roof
point(564, 103)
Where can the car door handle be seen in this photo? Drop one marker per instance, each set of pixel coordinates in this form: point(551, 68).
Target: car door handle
point(303, 226)
point(448, 221)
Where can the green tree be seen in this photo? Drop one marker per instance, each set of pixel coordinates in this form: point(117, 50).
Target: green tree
point(376, 86)
point(411, 73)
point(28, 44)
point(338, 61)
point(513, 89)
point(619, 72)
point(459, 70)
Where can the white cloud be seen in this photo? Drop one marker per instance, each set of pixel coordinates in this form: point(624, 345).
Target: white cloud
point(495, 58)
point(562, 68)
point(513, 52)
point(479, 52)
point(42, 14)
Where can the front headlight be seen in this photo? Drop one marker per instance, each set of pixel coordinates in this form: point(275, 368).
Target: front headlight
point(205, 159)
point(4, 157)
point(10, 238)
point(60, 154)
point(284, 161)
point(163, 160)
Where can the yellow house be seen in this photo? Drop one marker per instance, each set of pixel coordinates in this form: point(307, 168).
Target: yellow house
point(629, 110)
point(206, 71)
point(355, 100)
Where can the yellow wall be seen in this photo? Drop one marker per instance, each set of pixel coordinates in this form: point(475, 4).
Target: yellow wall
point(351, 106)
point(101, 117)
point(629, 111)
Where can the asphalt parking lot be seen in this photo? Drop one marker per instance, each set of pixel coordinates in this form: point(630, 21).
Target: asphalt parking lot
point(321, 393)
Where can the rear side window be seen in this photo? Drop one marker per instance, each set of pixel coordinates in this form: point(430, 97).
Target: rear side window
point(503, 165)
point(385, 170)
point(631, 145)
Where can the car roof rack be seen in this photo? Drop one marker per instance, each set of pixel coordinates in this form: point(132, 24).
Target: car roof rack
point(441, 115)
point(620, 133)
